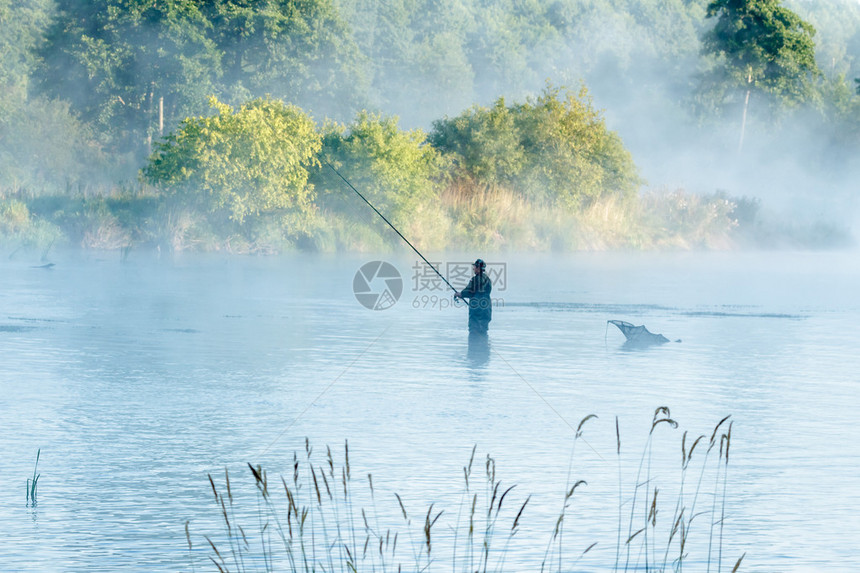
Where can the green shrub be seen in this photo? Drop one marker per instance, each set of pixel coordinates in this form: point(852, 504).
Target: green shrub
point(394, 169)
point(18, 226)
point(678, 219)
point(242, 163)
point(14, 217)
point(553, 148)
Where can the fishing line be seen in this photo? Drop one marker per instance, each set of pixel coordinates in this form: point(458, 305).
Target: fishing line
point(354, 211)
point(547, 402)
point(357, 192)
point(533, 389)
point(326, 389)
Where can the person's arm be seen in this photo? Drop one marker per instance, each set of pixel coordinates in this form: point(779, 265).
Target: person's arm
point(470, 289)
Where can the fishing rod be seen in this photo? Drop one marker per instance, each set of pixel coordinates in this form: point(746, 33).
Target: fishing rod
point(456, 292)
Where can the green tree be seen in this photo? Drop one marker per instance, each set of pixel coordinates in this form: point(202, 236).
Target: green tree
point(575, 155)
point(414, 54)
point(393, 168)
point(299, 51)
point(43, 146)
point(484, 143)
point(241, 163)
point(130, 66)
point(135, 67)
point(554, 148)
point(760, 46)
point(23, 25)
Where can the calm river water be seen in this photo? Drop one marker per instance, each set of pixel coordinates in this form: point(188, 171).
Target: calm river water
point(137, 379)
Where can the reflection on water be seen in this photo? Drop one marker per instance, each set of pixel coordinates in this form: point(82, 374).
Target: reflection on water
point(137, 380)
point(479, 349)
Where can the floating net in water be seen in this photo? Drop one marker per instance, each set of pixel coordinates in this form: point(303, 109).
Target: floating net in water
point(637, 334)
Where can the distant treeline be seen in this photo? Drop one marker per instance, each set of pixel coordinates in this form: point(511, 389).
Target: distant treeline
point(545, 174)
point(203, 124)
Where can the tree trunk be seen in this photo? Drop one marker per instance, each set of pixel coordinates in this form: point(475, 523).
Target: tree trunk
point(744, 117)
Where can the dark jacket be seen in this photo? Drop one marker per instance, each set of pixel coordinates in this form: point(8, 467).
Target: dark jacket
point(477, 292)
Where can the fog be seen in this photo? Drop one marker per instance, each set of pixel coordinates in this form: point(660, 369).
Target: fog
point(641, 62)
point(792, 162)
point(138, 374)
point(138, 379)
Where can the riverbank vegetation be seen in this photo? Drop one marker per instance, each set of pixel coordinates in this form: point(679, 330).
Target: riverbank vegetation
point(227, 125)
point(323, 515)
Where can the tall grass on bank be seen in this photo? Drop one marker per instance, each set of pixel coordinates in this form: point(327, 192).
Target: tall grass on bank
point(463, 216)
point(500, 219)
point(323, 518)
point(21, 229)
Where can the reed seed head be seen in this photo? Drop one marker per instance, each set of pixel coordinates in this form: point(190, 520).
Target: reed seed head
point(403, 509)
point(583, 421)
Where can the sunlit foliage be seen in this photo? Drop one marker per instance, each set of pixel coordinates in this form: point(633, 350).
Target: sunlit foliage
point(762, 46)
point(136, 68)
point(393, 168)
point(244, 162)
point(555, 148)
point(89, 89)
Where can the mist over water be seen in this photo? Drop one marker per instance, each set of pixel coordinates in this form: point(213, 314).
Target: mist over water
point(138, 379)
point(138, 375)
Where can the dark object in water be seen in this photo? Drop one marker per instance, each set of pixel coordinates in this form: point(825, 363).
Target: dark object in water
point(45, 266)
point(638, 335)
point(478, 353)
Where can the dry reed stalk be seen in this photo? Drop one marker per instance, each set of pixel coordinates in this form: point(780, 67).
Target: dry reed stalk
point(620, 495)
point(313, 537)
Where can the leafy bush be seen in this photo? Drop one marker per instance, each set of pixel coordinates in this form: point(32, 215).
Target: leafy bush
point(554, 148)
point(45, 148)
point(17, 225)
point(14, 217)
point(240, 163)
point(394, 169)
point(678, 219)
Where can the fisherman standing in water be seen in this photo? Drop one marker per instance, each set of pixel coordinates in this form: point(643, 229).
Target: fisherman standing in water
point(478, 294)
